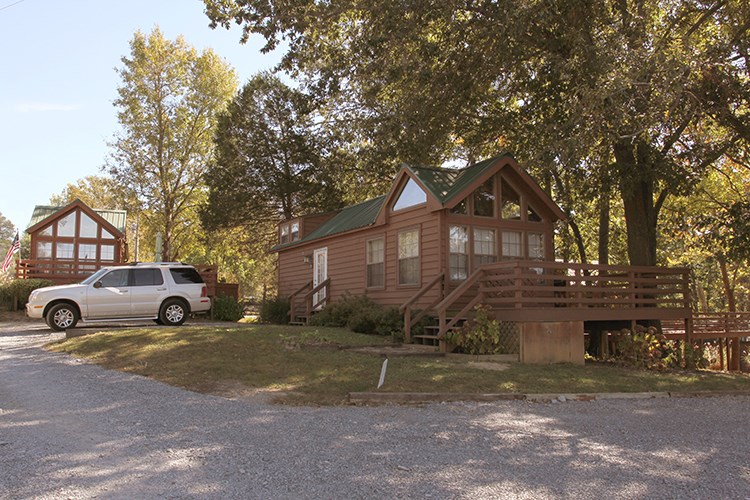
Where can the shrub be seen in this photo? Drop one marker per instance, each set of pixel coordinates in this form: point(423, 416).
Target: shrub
point(338, 313)
point(227, 309)
point(647, 348)
point(480, 335)
point(20, 290)
point(274, 311)
point(360, 314)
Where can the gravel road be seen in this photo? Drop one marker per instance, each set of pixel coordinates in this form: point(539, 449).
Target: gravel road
point(70, 429)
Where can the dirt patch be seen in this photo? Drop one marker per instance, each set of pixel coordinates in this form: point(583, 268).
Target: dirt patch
point(489, 365)
point(233, 389)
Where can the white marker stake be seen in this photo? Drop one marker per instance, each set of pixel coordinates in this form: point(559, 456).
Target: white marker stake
point(382, 373)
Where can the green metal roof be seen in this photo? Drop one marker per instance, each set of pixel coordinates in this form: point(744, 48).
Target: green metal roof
point(348, 218)
point(444, 184)
point(114, 217)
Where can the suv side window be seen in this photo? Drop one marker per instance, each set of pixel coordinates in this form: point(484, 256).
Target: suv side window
point(118, 277)
point(147, 277)
point(185, 275)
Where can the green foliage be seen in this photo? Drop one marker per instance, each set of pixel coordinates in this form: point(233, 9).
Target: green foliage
point(227, 309)
point(20, 290)
point(274, 311)
point(167, 103)
point(647, 348)
point(480, 335)
point(360, 314)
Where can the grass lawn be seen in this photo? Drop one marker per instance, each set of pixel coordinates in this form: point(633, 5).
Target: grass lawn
point(311, 365)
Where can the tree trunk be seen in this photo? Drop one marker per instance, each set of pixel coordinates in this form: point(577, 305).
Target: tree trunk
point(604, 223)
point(637, 189)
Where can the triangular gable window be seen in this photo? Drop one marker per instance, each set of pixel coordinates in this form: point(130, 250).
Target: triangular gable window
point(410, 196)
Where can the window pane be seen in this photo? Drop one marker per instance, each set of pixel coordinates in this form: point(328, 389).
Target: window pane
point(107, 234)
point(88, 226)
point(408, 257)
point(511, 208)
point(64, 251)
point(458, 259)
point(108, 252)
point(118, 277)
point(410, 196)
point(485, 248)
point(461, 208)
point(484, 199)
point(511, 244)
point(458, 265)
point(376, 263)
point(532, 216)
point(147, 277)
point(67, 225)
point(295, 231)
point(43, 250)
point(47, 231)
point(86, 251)
point(285, 233)
point(536, 246)
point(375, 251)
point(376, 275)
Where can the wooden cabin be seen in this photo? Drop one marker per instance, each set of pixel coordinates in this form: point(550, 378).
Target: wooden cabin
point(71, 242)
point(443, 241)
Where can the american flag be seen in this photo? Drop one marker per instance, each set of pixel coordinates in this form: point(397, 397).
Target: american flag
point(14, 247)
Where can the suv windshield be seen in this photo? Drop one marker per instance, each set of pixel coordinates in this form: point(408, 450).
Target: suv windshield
point(94, 277)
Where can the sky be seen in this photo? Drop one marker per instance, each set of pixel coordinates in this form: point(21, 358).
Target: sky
point(58, 82)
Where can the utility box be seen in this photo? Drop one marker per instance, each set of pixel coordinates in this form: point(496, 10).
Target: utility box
point(552, 342)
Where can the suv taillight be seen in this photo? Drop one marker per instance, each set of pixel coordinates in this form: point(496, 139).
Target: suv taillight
point(204, 291)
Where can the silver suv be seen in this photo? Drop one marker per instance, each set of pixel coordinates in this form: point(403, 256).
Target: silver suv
point(166, 292)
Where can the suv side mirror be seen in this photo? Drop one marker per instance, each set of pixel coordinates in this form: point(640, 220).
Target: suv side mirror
point(98, 284)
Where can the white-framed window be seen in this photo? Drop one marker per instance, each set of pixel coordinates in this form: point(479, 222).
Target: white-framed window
point(376, 263)
point(295, 231)
point(408, 257)
point(284, 233)
point(512, 248)
point(410, 196)
point(485, 246)
point(458, 253)
point(536, 246)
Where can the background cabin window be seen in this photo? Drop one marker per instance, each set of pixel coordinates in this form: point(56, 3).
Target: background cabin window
point(67, 225)
point(64, 251)
point(376, 263)
point(295, 231)
point(285, 233)
point(511, 202)
point(461, 208)
point(108, 252)
point(536, 246)
point(43, 250)
point(408, 257)
point(47, 231)
point(484, 199)
point(511, 244)
point(458, 253)
point(410, 196)
point(88, 227)
point(485, 247)
point(86, 251)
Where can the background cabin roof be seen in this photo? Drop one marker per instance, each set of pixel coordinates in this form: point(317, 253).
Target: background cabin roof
point(114, 217)
point(444, 183)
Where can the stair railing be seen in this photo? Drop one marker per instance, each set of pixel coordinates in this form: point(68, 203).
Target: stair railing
point(293, 296)
point(309, 297)
point(407, 307)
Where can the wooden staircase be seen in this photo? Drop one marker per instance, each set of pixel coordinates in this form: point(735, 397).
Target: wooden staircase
point(301, 306)
point(431, 333)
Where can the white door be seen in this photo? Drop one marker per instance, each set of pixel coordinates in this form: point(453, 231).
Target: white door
point(320, 273)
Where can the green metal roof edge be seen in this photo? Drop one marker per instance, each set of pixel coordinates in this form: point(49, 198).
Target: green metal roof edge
point(347, 219)
point(41, 212)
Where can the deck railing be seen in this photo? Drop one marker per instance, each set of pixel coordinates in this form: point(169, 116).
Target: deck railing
point(58, 271)
point(551, 291)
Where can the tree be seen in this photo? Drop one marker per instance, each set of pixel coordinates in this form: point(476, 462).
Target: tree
point(95, 191)
point(611, 90)
point(270, 159)
point(168, 103)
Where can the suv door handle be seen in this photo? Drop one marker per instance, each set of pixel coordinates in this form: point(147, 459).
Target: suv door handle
point(161, 289)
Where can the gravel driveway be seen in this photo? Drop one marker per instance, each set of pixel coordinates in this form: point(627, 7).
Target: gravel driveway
point(70, 429)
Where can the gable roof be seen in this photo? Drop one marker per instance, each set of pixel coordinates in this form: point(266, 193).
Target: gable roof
point(444, 185)
point(41, 214)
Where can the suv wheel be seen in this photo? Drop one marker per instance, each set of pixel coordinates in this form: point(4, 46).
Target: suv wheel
point(61, 317)
point(173, 312)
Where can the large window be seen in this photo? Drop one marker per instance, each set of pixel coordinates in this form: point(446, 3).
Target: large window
point(484, 199)
point(88, 227)
point(408, 257)
point(485, 247)
point(64, 251)
point(458, 253)
point(536, 246)
point(376, 263)
point(410, 196)
point(43, 250)
point(512, 245)
point(67, 225)
point(108, 252)
point(511, 202)
point(86, 251)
